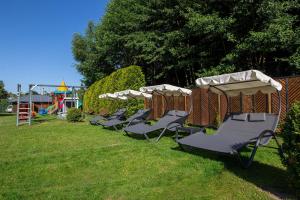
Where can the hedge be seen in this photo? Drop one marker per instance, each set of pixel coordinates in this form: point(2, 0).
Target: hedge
point(291, 146)
point(130, 77)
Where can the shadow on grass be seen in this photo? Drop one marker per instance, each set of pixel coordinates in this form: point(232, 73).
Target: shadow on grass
point(42, 119)
point(152, 136)
point(267, 177)
point(7, 114)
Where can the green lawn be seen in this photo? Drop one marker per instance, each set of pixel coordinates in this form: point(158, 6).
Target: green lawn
point(60, 160)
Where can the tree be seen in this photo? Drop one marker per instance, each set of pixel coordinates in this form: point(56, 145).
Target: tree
point(3, 92)
point(177, 41)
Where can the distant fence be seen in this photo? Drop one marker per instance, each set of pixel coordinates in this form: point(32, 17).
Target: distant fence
point(207, 105)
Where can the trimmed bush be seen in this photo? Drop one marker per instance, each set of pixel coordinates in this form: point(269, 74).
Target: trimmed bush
point(130, 77)
point(74, 115)
point(291, 146)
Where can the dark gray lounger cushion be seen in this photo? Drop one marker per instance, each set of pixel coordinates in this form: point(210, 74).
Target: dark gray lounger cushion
point(240, 117)
point(255, 117)
point(162, 123)
point(137, 117)
point(112, 122)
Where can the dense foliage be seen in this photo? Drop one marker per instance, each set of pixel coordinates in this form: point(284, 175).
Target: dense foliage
point(3, 92)
point(126, 78)
point(74, 115)
point(3, 105)
point(291, 145)
point(176, 41)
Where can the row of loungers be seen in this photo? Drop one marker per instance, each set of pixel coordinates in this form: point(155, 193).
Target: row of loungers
point(235, 133)
point(137, 124)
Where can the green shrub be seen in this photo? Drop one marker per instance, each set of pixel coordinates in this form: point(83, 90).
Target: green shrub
point(291, 146)
point(130, 77)
point(3, 105)
point(74, 115)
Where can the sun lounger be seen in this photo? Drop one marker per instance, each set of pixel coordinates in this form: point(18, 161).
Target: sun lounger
point(234, 134)
point(169, 121)
point(119, 114)
point(138, 117)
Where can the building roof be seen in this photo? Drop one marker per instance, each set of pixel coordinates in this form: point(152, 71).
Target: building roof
point(35, 99)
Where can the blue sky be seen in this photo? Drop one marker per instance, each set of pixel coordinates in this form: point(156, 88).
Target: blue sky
point(35, 39)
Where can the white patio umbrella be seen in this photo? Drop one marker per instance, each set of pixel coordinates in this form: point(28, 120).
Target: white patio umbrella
point(168, 90)
point(111, 96)
point(246, 82)
point(133, 94)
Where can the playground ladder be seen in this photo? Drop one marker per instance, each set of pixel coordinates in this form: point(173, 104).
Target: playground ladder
point(23, 110)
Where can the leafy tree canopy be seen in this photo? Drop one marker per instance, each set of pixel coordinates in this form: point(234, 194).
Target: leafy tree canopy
point(176, 41)
point(3, 92)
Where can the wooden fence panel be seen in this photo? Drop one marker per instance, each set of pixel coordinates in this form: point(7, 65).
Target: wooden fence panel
point(275, 100)
point(204, 112)
point(294, 90)
point(196, 106)
point(260, 101)
point(224, 107)
point(213, 108)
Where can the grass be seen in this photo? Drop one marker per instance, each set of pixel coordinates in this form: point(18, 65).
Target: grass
point(55, 159)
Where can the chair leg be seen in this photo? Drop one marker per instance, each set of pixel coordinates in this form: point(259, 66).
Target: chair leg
point(115, 127)
point(161, 134)
point(246, 164)
point(257, 144)
point(279, 146)
point(146, 136)
point(126, 133)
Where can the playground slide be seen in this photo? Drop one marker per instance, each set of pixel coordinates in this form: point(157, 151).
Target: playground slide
point(52, 109)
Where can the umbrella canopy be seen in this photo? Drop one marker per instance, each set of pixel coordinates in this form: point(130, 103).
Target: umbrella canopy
point(133, 94)
point(111, 96)
point(246, 82)
point(167, 90)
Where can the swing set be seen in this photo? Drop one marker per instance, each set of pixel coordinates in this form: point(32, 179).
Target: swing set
point(64, 97)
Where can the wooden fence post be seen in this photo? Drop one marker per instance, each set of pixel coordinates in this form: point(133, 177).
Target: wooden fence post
point(241, 102)
point(219, 106)
point(269, 103)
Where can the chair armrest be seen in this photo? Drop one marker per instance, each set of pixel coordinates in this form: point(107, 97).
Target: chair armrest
point(263, 134)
